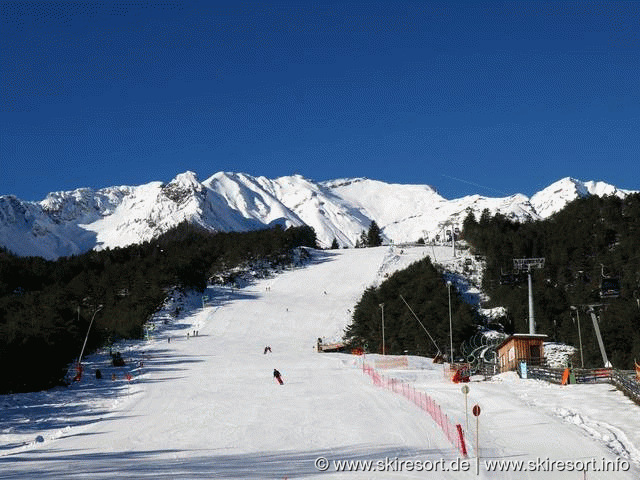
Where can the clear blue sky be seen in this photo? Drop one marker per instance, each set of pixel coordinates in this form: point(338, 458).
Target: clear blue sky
point(469, 97)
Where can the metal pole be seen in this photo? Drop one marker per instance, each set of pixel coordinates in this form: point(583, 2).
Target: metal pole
point(605, 359)
point(465, 392)
point(579, 335)
point(450, 322)
point(383, 345)
point(87, 337)
point(519, 264)
point(453, 241)
point(466, 412)
point(532, 323)
point(477, 437)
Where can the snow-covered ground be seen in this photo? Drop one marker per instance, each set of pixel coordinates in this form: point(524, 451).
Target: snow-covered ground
point(206, 405)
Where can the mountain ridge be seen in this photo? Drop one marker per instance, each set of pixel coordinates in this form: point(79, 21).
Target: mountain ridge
point(72, 222)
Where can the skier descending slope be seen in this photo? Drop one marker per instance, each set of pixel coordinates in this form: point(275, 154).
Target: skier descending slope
point(277, 376)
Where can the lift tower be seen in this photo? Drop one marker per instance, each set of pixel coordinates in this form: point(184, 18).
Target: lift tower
point(594, 318)
point(522, 264)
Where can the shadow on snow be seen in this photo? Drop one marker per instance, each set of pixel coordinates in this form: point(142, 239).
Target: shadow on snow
point(174, 464)
point(55, 411)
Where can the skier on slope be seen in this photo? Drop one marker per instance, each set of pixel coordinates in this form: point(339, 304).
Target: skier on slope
point(277, 376)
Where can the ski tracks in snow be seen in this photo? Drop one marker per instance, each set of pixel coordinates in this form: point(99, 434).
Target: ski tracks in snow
point(614, 438)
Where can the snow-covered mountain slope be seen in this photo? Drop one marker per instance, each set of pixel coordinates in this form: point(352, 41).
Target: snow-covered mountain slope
point(154, 208)
point(66, 223)
point(410, 212)
point(557, 195)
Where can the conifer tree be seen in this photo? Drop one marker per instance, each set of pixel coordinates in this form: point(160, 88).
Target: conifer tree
point(374, 239)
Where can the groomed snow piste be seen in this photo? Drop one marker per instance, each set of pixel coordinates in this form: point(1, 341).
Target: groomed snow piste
point(206, 405)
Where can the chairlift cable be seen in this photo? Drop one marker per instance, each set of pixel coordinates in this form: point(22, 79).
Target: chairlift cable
point(423, 327)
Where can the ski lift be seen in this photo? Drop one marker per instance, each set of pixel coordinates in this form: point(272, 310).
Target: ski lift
point(512, 278)
point(506, 278)
point(609, 286)
point(447, 235)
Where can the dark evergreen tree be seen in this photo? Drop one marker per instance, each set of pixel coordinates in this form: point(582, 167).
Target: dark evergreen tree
point(423, 287)
point(373, 238)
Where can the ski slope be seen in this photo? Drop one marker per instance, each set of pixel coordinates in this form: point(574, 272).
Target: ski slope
point(206, 405)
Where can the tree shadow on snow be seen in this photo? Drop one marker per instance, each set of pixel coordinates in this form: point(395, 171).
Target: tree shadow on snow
point(23, 417)
point(174, 464)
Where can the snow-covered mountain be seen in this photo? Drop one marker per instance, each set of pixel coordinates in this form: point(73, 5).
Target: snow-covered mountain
point(67, 223)
point(406, 213)
point(557, 195)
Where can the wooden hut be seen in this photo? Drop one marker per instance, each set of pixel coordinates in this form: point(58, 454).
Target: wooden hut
point(330, 347)
point(520, 347)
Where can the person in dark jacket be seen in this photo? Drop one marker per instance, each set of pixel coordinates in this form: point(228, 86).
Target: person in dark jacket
point(277, 376)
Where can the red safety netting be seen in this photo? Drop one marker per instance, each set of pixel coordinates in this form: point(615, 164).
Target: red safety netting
point(425, 402)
